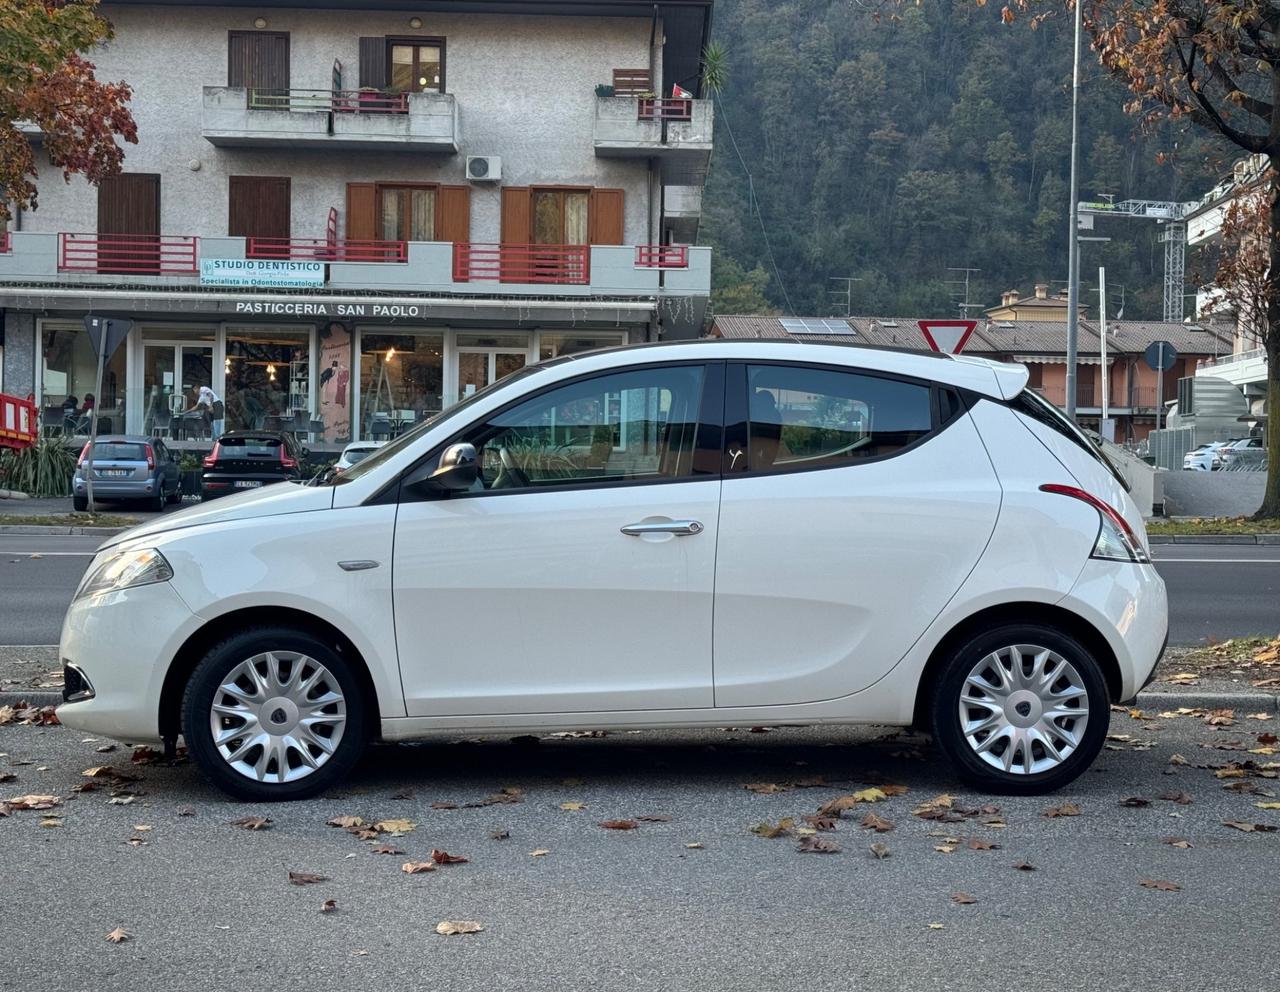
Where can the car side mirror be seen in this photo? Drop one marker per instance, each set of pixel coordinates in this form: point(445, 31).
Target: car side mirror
point(458, 470)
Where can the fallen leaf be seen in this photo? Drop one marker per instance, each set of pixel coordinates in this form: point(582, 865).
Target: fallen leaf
point(1025, 866)
point(306, 878)
point(935, 926)
point(1177, 759)
point(105, 748)
point(771, 830)
point(145, 755)
point(443, 805)
point(346, 822)
point(1179, 842)
point(1262, 828)
point(945, 848)
point(141, 827)
point(880, 851)
point(1220, 718)
point(499, 834)
point(820, 823)
point(34, 802)
point(541, 852)
point(1185, 678)
point(1160, 884)
point(329, 906)
point(1259, 716)
point(417, 867)
point(694, 845)
point(395, 827)
point(1267, 805)
point(573, 807)
point(654, 818)
point(7, 777)
point(385, 849)
point(445, 858)
point(817, 845)
point(119, 935)
point(764, 788)
point(1066, 809)
point(449, 927)
point(126, 800)
point(877, 823)
point(1135, 802)
point(249, 822)
point(963, 898)
point(186, 811)
point(1181, 798)
point(619, 824)
point(50, 821)
point(1268, 739)
point(978, 844)
point(1229, 773)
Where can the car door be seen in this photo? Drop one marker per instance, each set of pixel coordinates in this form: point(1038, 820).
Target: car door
point(577, 575)
point(854, 506)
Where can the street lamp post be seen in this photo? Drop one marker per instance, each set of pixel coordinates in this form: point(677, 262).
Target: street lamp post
point(1073, 251)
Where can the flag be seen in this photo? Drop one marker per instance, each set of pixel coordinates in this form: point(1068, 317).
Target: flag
point(678, 92)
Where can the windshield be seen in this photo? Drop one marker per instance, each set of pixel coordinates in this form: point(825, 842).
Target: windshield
point(1032, 404)
point(392, 448)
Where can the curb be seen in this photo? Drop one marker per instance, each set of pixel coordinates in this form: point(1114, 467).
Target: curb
point(1265, 702)
point(60, 531)
point(1267, 539)
point(36, 697)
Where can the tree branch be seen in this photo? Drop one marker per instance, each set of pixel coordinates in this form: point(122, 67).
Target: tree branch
point(1259, 108)
point(1248, 142)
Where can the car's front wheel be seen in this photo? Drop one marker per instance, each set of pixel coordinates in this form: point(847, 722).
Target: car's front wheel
point(274, 713)
point(1021, 709)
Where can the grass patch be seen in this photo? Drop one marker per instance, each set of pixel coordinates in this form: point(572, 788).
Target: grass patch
point(67, 520)
point(1214, 525)
point(1256, 659)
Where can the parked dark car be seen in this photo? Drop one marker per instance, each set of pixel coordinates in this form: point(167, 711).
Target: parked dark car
point(249, 460)
point(128, 467)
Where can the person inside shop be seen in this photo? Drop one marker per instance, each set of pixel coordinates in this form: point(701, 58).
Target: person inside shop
point(213, 411)
point(69, 405)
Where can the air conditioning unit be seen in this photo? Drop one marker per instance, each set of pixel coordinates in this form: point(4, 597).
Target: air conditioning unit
point(484, 168)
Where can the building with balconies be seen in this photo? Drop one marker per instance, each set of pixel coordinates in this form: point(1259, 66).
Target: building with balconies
point(345, 218)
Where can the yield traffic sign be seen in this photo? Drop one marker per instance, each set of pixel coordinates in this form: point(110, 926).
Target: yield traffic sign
point(947, 336)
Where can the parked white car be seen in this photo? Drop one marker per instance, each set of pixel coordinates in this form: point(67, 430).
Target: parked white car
point(1205, 458)
point(1245, 451)
point(668, 536)
point(356, 452)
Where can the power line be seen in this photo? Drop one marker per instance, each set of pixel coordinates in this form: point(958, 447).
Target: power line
point(755, 204)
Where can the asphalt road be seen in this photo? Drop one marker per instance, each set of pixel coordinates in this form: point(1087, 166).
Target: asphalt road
point(210, 906)
point(1215, 591)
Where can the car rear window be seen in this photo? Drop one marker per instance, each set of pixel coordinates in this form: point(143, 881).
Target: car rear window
point(119, 451)
point(242, 447)
point(359, 454)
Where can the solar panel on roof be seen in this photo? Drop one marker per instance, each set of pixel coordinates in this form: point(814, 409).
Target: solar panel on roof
point(815, 325)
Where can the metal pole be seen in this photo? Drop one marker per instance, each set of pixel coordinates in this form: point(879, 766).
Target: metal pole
point(93, 421)
point(1073, 251)
point(1102, 326)
point(1159, 382)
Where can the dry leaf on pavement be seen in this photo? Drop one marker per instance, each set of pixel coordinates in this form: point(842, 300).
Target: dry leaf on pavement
point(1181, 798)
point(306, 878)
point(619, 824)
point(771, 830)
point(251, 822)
point(119, 935)
point(1066, 809)
point(1249, 828)
point(963, 898)
point(395, 827)
point(33, 802)
point(445, 858)
point(385, 849)
point(880, 851)
point(654, 818)
point(447, 928)
point(817, 845)
point(541, 852)
point(573, 807)
point(346, 822)
point(1135, 802)
point(417, 867)
point(1179, 842)
point(694, 845)
point(1267, 805)
point(499, 834)
point(978, 844)
point(1025, 866)
point(877, 823)
point(329, 906)
point(1160, 884)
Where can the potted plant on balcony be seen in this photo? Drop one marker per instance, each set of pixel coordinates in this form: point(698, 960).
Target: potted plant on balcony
point(604, 89)
point(369, 98)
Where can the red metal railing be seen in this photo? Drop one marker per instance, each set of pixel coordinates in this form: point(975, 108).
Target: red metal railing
point(662, 256)
point(560, 264)
point(658, 109)
point(17, 422)
point(339, 101)
point(327, 250)
point(5, 242)
point(127, 254)
point(360, 102)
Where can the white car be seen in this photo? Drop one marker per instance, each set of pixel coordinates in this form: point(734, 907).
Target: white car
point(356, 452)
point(1247, 451)
point(1205, 458)
point(666, 536)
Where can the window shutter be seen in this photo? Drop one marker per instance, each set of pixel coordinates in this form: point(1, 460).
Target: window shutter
point(516, 220)
point(453, 214)
point(606, 220)
point(373, 62)
point(362, 200)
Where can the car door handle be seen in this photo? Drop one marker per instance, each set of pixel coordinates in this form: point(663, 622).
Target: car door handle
point(682, 527)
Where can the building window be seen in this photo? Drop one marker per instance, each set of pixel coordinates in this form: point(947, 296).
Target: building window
point(267, 371)
point(401, 380)
point(416, 66)
point(68, 379)
point(560, 217)
point(406, 213)
point(552, 344)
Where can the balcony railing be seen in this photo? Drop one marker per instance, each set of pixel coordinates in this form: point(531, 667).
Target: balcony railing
point(128, 254)
point(658, 109)
point(6, 243)
point(662, 256)
point(566, 265)
point(326, 250)
point(339, 101)
point(1243, 356)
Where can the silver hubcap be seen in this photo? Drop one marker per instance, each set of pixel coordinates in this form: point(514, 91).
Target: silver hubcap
point(1023, 709)
point(278, 716)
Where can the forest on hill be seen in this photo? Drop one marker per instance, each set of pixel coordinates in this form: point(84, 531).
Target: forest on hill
point(892, 152)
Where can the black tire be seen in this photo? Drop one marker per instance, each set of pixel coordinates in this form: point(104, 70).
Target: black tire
point(156, 502)
point(209, 675)
point(175, 497)
point(950, 737)
point(80, 503)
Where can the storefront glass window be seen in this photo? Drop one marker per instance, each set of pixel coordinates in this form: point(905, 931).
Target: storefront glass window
point(70, 370)
point(267, 372)
point(570, 343)
point(401, 381)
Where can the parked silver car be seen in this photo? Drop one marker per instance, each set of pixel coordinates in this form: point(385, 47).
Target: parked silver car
point(128, 467)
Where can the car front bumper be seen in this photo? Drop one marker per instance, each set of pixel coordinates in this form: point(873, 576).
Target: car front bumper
point(122, 644)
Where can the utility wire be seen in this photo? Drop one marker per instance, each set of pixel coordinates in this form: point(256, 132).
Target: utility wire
point(755, 204)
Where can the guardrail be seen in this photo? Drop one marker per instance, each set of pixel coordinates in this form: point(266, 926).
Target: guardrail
point(658, 109)
point(662, 256)
point(338, 101)
point(550, 264)
point(128, 254)
point(327, 250)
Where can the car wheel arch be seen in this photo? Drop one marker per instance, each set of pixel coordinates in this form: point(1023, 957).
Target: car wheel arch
point(1046, 614)
point(196, 646)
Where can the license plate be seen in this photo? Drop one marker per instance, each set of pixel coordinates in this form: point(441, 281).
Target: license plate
point(246, 484)
point(114, 473)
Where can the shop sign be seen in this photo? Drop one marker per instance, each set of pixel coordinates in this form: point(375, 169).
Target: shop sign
point(260, 273)
point(306, 308)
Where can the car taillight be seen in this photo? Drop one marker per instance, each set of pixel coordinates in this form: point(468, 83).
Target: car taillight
point(84, 453)
point(211, 459)
point(151, 457)
point(287, 460)
point(1116, 540)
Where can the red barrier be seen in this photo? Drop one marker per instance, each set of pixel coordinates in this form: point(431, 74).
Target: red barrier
point(326, 250)
point(552, 264)
point(662, 256)
point(18, 425)
point(127, 254)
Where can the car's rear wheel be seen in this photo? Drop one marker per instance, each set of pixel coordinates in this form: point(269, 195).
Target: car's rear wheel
point(175, 497)
point(80, 503)
point(1021, 709)
point(274, 713)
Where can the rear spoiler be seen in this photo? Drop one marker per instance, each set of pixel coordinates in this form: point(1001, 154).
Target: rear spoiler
point(1008, 380)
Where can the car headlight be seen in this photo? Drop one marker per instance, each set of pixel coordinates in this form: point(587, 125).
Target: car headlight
point(124, 570)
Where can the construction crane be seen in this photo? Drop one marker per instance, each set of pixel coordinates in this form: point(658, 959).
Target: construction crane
point(1172, 216)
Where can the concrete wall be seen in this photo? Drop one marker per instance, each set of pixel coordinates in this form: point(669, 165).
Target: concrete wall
point(1213, 494)
point(525, 89)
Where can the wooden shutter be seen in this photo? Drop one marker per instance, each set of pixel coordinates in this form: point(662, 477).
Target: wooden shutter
point(362, 211)
point(258, 59)
point(258, 207)
point(373, 62)
point(605, 222)
point(129, 203)
point(453, 214)
point(517, 223)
